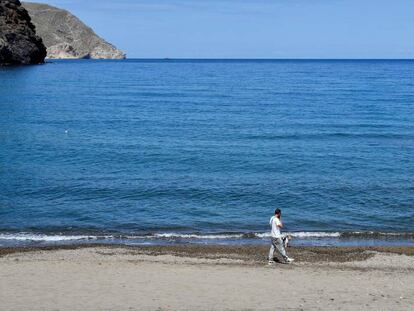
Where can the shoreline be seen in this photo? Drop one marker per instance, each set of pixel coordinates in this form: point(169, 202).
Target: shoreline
point(252, 253)
point(235, 238)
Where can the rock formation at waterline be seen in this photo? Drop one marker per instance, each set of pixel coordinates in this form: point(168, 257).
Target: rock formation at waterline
point(18, 41)
point(65, 36)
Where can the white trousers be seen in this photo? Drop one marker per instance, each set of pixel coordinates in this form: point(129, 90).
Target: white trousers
point(277, 243)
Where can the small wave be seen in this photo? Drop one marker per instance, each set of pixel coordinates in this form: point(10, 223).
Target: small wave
point(170, 235)
point(197, 236)
point(32, 237)
point(224, 236)
point(303, 235)
point(44, 237)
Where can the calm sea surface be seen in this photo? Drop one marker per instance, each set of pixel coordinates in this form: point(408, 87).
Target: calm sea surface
point(147, 151)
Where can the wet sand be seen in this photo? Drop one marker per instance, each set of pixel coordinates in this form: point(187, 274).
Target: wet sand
point(197, 277)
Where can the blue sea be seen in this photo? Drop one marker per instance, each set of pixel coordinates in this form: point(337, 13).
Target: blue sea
point(202, 151)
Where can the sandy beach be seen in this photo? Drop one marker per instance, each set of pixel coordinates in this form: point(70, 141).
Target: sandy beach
point(205, 278)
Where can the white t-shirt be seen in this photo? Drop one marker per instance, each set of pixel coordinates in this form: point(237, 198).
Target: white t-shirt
point(274, 223)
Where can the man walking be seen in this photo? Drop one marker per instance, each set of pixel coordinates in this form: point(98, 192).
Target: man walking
point(276, 237)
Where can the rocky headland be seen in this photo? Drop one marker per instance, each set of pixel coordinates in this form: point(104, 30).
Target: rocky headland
point(65, 36)
point(19, 43)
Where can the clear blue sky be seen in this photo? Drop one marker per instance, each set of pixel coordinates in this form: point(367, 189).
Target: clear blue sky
point(252, 28)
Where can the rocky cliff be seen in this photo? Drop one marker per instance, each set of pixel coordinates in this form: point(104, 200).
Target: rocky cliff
point(65, 36)
point(18, 41)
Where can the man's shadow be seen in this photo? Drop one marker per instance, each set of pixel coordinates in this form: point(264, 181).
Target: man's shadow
point(278, 260)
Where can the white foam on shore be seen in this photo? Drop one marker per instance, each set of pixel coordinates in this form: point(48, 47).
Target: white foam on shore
point(303, 235)
point(378, 235)
point(246, 235)
point(32, 237)
point(171, 235)
point(44, 237)
point(198, 236)
point(189, 236)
